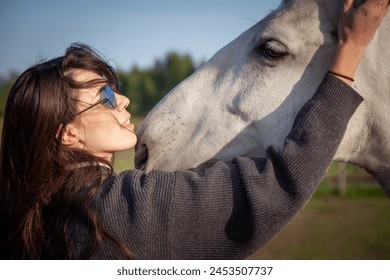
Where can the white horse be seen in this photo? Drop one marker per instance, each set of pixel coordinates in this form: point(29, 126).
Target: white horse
point(246, 96)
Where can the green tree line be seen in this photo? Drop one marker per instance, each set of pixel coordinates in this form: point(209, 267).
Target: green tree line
point(144, 87)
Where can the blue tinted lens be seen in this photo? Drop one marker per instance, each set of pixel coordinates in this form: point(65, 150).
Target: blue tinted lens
point(107, 97)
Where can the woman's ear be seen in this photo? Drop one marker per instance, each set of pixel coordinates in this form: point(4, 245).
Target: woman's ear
point(69, 134)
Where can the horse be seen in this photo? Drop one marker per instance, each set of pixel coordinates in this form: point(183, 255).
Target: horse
point(245, 98)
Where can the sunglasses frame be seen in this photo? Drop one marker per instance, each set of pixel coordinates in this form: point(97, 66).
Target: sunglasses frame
point(105, 101)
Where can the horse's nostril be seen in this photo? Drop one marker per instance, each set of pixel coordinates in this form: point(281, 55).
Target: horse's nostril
point(141, 157)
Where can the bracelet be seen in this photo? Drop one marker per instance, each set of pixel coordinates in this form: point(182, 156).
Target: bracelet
point(340, 75)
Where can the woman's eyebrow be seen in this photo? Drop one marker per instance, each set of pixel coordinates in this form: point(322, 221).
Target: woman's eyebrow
point(92, 95)
point(99, 89)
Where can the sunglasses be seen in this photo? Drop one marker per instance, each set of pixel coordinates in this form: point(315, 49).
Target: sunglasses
point(107, 99)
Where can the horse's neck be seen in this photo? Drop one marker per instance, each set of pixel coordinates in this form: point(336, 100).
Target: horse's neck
point(375, 74)
point(366, 143)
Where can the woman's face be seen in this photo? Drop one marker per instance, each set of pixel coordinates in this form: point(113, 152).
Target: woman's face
point(102, 131)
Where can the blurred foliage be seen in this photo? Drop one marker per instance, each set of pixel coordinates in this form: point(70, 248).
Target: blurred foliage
point(5, 86)
point(144, 87)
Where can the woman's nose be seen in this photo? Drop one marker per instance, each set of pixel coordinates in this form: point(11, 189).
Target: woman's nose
point(123, 101)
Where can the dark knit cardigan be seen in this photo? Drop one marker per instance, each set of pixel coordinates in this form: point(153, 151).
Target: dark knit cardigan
point(223, 210)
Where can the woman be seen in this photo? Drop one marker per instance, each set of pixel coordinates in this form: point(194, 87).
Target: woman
point(59, 198)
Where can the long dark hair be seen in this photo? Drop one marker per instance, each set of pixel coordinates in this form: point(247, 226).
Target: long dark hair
point(39, 191)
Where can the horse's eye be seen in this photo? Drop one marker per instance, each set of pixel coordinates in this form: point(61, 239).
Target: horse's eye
point(272, 50)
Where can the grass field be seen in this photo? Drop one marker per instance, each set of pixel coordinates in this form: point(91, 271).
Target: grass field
point(334, 228)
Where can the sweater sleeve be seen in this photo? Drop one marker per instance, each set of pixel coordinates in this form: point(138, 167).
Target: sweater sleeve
point(228, 210)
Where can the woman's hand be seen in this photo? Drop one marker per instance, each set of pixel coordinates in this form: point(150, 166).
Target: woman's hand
point(357, 27)
point(358, 24)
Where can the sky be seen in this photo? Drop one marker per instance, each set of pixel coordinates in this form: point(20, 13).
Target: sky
point(125, 32)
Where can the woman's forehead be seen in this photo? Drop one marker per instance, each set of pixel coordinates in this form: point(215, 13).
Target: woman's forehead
point(84, 76)
point(89, 94)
